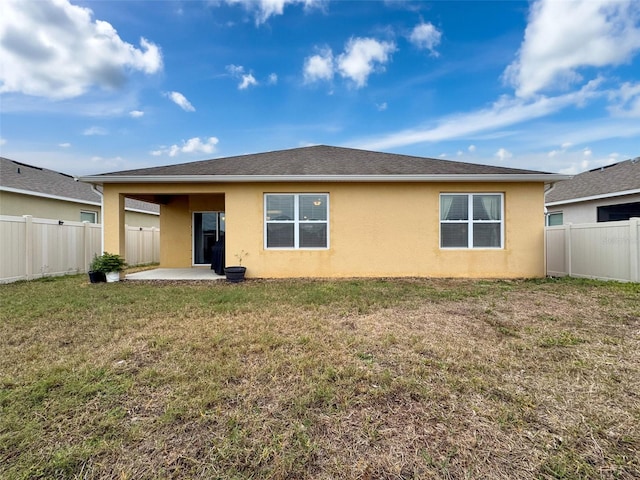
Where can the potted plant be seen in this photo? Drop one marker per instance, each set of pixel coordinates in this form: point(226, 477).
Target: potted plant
point(235, 273)
point(96, 275)
point(112, 264)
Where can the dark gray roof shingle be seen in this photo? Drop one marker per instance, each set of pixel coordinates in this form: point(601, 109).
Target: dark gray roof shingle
point(21, 176)
point(619, 177)
point(322, 160)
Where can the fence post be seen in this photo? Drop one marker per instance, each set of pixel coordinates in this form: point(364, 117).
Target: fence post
point(567, 249)
point(87, 246)
point(634, 249)
point(28, 246)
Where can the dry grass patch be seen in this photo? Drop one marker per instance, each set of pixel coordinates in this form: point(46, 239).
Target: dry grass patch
point(355, 379)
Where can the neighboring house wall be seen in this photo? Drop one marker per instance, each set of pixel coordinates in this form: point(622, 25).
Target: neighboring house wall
point(587, 212)
point(18, 204)
point(375, 229)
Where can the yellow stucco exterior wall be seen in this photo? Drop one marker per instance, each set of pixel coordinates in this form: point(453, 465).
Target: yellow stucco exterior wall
point(375, 229)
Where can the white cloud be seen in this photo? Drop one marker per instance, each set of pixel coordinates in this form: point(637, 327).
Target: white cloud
point(136, 113)
point(193, 145)
point(180, 100)
point(56, 50)
point(3, 141)
point(64, 145)
point(363, 56)
point(563, 36)
point(319, 67)
point(264, 9)
point(95, 131)
point(248, 80)
point(426, 37)
point(505, 112)
point(472, 148)
point(626, 100)
point(273, 79)
point(587, 152)
point(381, 106)
point(503, 154)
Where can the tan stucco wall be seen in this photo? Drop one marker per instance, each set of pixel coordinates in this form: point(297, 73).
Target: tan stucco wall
point(375, 229)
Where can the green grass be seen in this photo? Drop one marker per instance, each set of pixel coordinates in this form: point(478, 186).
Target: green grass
point(306, 379)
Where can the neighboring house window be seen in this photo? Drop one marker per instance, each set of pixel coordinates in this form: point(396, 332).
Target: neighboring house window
point(554, 219)
point(91, 217)
point(471, 220)
point(616, 213)
point(296, 220)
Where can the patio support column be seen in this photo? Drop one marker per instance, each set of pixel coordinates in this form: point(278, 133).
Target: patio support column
point(113, 222)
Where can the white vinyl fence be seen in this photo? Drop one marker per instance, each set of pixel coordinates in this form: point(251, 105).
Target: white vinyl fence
point(37, 247)
point(607, 251)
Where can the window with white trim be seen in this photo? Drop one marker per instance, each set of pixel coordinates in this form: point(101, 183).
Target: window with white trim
point(471, 220)
point(296, 220)
point(88, 216)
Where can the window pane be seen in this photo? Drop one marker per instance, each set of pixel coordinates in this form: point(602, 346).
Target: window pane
point(555, 219)
point(313, 235)
point(280, 235)
point(313, 207)
point(454, 207)
point(280, 207)
point(486, 207)
point(486, 235)
point(454, 235)
point(88, 217)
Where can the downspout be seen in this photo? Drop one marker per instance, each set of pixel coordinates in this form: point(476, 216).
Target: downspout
point(548, 188)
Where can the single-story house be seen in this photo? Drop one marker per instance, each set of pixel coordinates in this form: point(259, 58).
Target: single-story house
point(42, 193)
point(326, 211)
point(604, 194)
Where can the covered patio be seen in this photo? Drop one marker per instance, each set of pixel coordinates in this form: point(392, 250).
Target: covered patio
point(175, 274)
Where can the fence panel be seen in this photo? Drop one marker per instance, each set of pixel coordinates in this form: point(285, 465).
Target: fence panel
point(608, 250)
point(36, 247)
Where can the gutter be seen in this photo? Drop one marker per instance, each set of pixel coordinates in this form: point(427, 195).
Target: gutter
point(548, 178)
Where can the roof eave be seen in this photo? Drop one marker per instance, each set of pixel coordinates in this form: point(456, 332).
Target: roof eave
point(517, 177)
point(593, 197)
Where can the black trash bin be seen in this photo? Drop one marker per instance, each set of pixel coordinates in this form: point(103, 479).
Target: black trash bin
point(217, 256)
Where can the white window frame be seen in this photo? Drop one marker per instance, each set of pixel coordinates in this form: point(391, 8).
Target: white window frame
point(296, 221)
point(552, 215)
point(470, 222)
point(89, 212)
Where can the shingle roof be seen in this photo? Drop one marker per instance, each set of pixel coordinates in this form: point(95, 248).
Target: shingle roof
point(320, 160)
point(619, 177)
point(41, 180)
point(29, 178)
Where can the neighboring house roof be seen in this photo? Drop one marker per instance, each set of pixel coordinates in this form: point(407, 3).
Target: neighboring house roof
point(18, 177)
point(322, 163)
point(622, 178)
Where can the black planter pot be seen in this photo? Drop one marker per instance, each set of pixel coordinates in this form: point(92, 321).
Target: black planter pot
point(97, 277)
point(235, 274)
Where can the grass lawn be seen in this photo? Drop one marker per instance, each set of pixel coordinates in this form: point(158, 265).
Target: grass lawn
point(348, 379)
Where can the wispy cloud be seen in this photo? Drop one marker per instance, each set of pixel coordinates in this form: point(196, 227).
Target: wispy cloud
point(51, 65)
point(64, 145)
point(505, 112)
point(136, 113)
point(246, 78)
point(180, 100)
point(95, 131)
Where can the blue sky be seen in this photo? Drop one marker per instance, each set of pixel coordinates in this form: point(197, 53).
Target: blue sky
point(96, 86)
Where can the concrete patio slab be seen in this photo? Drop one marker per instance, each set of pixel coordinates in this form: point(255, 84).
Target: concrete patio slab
point(176, 274)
